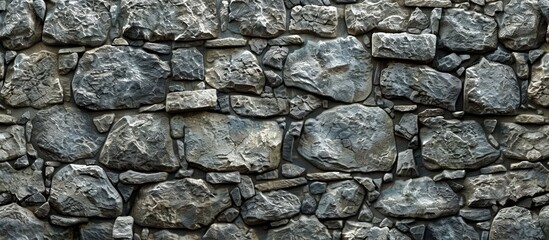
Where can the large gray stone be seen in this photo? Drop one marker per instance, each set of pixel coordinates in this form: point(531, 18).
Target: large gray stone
point(111, 77)
point(340, 69)
point(168, 20)
point(229, 231)
point(270, 206)
point(350, 138)
point(419, 47)
point(17, 222)
point(521, 26)
point(515, 223)
point(65, 134)
point(305, 227)
point(34, 81)
point(491, 88)
point(538, 89)
point(522, 143)
point(421, 84)
point(453, 144)
point(234, 70)
point(257, 18)
point(386, 16)
point(191, 100)
point(186, 203)
point(20, 27)
point(84, 191)
point(341, 199)
point(77, 22)
point(140, 142)
point(467, 31)
point(12, 142)
point(320, 20)
point(452, 228)
point(187, 64)
point(217, 142)
point(94, 230)
point(418, 198)
point(21, 183)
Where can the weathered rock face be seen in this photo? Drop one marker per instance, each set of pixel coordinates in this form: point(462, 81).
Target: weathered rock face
point(491, 88)
point(270, 206)
point(186, 203)
point(234, 69)
point(229, 231)
point(467, 31)
point(17, 222)
point(522, 143)
point(140, 142)
point(21, 26)
point(453, 144)
point(351, 138)
point(84, 191)
point(187, 64)
point(538, 89)
point(320, 20)
point(418, 198)
point(305, 227)
point(259, 107)
point(214, 143)
point(421, 84)
point(340, 69)
point(452, 228)
point(12, 142)
point(21, 183)
point(169, 20)
point(34, 82)
point(111, 77)
point(515, 223)
point(521, 26)
point(257, 18)
point(77, 22)
point(342, 199)
point(65, 134)
point(387, 16)
point(405, 46)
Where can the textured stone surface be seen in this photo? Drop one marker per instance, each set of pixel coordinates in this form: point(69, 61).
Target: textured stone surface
point(320, 20)
point(17, 222)
point(169, 20)
point(21, 27)
point(340, 69)
point(372, 14)
point(405, 46)
point(259, 107)
point(467, 31)
point(515, 223)
point(77, 22)
point(341, 199)
point(84, 191)
point(140, 142)
point(305, 227)
point(428, 3)
point(186, 203)
point(421, 84)
point(187, 64)
point(453, 144)
point(522, 143)
point(351, 138)
point(257, 18)
point(229, 231)
point(191, 100)
point(119, 77)
point(452, 228)
point(34, 82)
point(270, 206)
point(12, 142)
point(521, 26)
point(212, 143)
point(65, 134)
point(538, 89)
point(234, 69)
point(418, 198)
point(21, 183)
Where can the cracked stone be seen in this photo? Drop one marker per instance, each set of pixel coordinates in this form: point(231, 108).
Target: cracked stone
point(341, 199)
point(12, 143)
point(257, 18)
point(319, 20)
point(270, 206)
point(467, 31)
point(524, 143)
point(259, 107)
point(515, 223)
point(21, 27)
point(21, 183)
point(538, 89)
point(187, 64)
point(386, 16)
point(234, 69)
point(419, 47)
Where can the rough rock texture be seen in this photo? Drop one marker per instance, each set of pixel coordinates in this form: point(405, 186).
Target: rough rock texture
point(270, 206)
point(105, 75)
point(84, 191)
point(340, 69)
point(12, 143)
point(229, 231)
point(305, 227)
point(418, 198)
point(191, 100)
point(490, 88)
point(453, 144)
point(77, 22)
point(21, 183)
point(522, 143)
point(20, 27)
point(34, 82)
point(257, 18)
point(515, 223)
point(421, 84)
point(17, 222)
point(467, 31)
point(320, 20)
point(186, 203)
point(65, 134)
point(538, 89)
point(373, 14)
point(187, 64)
point(213, 144)
point(452, 228)
point(140, 142)
point(169, 20)
point(259, 107)
point(234, 69)
point(521, 26)
point(351, 138)
point(342, 199)
point(405, 46)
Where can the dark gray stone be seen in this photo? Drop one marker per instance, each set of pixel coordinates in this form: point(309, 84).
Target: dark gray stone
point(12, 142)
point(275, 57)
point(122, 228)
point(341, 199)
point(515, 223)
point(187, 64)
point(387, 16)
point(319, 20)
point(538, 89)
point(17, 222)
point(234, 70)
point(419, 47)
point(270, 206)
point(521, 26)
point(67, 62)
point(133, 177)
point(21, 27)
point(191, 100)
point(305, 227)
point(452, 228)
point(259, 18)
point(259, 106)
point(94, 230)
point(229, 231)
point(524, 143)
point(21, 183)
point(467, 31)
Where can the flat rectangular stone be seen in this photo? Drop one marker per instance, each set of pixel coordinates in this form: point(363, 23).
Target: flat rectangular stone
point(280, 184)
point(329, 176)
point(191, 100)
point(226, 42)
point(419, 47)
point(223, 177)
point(428, 3)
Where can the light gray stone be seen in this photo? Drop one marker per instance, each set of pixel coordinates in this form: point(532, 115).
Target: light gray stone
point(234, 69)
point(286, 40)
point(122, 228)
point(341, 199)
point(407, 127)
point(291, 170)
point(522, 143)
point(191, 100)
point(20, 27)
point(387, 16)
point(169, 20)
point(12, 142)
point(84, 191)
point(34, 81)
point(349, 138)
point(133, 177)
point(451, 228)
point(94, 230)
point(66, 63)
point(467, 31)
point(140, 142)
point(270, 206)
point(448, 63)
point(17, 222)
point(226, 42)
point(418, 198)
point(421, 84)
point(111, 77)
point(187, 64)
point(428, 3)
point(305, 227)
point(258, 106)
point(22, 183)
point(521, 26)
point(103, 122)
point(223, 178)
point(64, 221)
point(406, 164)
point(515, 223)
point(319, 20)
point(538, 89)
point(229, 231)
point(475, 214)
point(258, 18)
point(280, 184)
point(275, 57)
point(302, 105)
point(419, 47)
point(340, 69)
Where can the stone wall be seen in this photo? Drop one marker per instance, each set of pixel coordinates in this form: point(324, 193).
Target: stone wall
point(274, 119)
